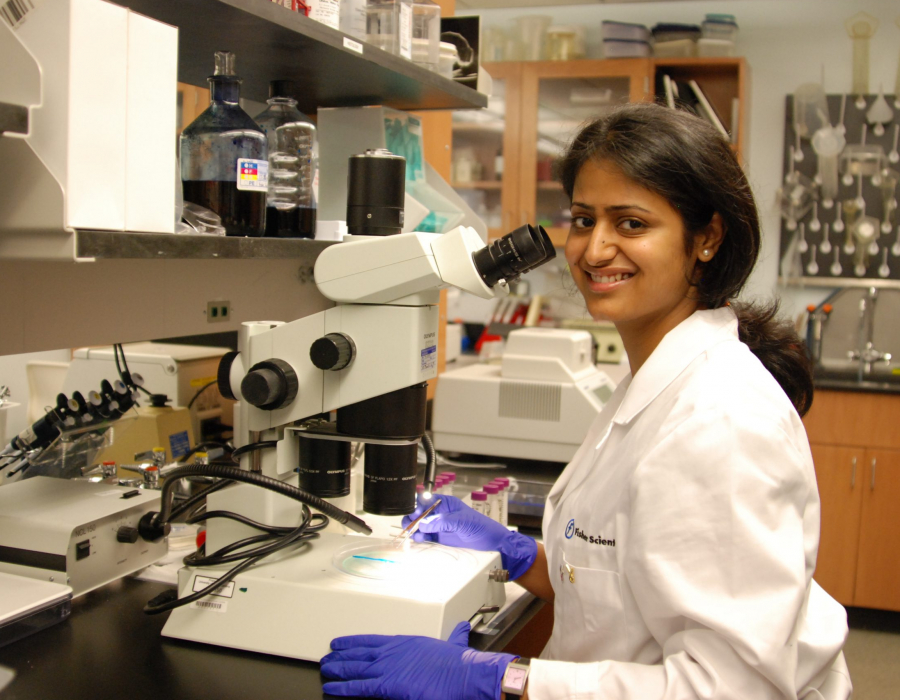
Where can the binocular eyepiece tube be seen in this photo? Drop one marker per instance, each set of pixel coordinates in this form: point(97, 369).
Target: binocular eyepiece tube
point(515, 254)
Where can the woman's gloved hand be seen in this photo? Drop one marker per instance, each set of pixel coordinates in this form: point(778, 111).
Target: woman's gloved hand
point(410, 668)
point(455, 524)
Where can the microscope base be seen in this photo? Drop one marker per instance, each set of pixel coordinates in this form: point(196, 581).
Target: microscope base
point(294, 606)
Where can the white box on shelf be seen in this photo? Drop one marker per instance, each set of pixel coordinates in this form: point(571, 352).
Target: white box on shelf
point(151, 175)
point(103, 126)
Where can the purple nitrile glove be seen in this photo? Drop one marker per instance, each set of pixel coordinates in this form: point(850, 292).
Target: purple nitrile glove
point(410, 668)
point(455, 524)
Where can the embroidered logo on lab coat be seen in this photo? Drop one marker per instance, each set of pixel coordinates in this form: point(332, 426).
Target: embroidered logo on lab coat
point(570, 529)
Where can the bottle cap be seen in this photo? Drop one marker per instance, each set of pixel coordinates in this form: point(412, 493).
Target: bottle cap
point(502, 480)
point(479, 496)
point(282, 88)
point(224, 63)
point(490, 489)
point(449, 476)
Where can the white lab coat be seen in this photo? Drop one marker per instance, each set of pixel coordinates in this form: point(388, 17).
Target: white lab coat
point(682, 539)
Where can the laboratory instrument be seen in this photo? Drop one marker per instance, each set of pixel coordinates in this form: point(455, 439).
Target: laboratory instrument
point(411, 528)
point(884, 269)
point(76, 532)
point(293, 164)
point(861, 27)
point(536, 404)
point(894, 155)
point(28, 606)
point(879, 113)
point(366, 360)
point(814, 224)
point(100, 85)
point(224, 154)
point(184, 373)
point(812, 268)
point(825, 246)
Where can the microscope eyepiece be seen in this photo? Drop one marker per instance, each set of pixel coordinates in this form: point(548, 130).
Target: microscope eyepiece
point(515, 254)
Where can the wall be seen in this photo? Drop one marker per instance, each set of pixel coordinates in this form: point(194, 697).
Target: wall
point(786, 43)
point(12, 374)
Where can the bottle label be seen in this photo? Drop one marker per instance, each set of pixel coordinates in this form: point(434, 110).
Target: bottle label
point(406, 30)
point(252, 175)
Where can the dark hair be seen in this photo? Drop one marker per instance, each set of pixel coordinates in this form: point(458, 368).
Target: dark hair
point(684, 159)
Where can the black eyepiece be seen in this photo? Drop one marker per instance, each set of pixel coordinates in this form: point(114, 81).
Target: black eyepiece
point(515, 254)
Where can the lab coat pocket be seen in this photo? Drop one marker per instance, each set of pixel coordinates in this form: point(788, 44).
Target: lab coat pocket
point(594, 614)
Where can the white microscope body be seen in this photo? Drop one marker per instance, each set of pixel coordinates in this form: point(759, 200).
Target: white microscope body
point(380, 338)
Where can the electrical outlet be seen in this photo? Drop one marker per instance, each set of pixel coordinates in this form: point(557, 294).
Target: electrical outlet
point(217, 311)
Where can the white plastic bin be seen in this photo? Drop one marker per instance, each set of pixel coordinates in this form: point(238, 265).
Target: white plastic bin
point(614, 48)
point(715, 47)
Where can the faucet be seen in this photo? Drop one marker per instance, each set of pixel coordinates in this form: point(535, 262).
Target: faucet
point(866, 352)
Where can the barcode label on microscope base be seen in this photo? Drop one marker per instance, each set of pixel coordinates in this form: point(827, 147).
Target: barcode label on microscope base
point(212, 605)
point(14, 11)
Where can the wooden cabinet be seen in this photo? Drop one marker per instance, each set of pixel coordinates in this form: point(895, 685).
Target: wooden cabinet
point(856, 451)
point(878, 564)
point(504, 156)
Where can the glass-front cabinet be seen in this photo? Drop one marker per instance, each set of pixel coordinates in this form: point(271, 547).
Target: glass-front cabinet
point(485, 152)
point(503, 157)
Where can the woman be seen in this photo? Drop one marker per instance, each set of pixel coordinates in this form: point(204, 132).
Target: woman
point(680, 542)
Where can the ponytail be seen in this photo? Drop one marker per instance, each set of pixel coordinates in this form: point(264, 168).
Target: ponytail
point(775, 342)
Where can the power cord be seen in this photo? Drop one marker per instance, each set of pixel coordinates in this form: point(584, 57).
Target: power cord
point(273, 539)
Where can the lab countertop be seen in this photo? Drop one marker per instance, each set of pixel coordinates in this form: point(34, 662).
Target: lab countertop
point(852, 385)
point(108, 649)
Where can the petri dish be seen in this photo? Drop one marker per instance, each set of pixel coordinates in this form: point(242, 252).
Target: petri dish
point(381, 560)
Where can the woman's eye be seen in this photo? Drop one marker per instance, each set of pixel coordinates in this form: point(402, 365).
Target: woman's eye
point(582, 222)
point(632, 225)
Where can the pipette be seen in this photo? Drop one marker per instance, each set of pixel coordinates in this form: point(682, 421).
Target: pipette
point(414, 525)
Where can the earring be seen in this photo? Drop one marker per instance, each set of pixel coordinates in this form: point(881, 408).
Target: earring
point(706, 252)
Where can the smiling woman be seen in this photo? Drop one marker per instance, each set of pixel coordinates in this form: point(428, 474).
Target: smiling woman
point(660, 198)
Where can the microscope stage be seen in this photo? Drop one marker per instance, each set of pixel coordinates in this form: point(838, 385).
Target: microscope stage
point(334, 586)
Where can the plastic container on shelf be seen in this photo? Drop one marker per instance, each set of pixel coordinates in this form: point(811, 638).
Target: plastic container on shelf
point(715, 47)
point(563, 43)
point(494, 44)
point(531, 33)
point(224, 156)
point(426, 33)
point(719, 26)
point(293, 161)
point(675, 32)
point(353, 18)
point(677, 48)
point(389, 26)
point(447, 59)
point(624, 31)
point(617, 48)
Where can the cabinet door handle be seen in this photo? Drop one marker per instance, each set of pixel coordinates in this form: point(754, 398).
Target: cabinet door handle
point(872, 485)
point(853, 475)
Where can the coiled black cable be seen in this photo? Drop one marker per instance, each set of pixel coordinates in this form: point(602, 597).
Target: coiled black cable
point(252, 447)
point(234, 473)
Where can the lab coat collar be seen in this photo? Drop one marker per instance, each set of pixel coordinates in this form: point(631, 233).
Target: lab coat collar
point(680, 346)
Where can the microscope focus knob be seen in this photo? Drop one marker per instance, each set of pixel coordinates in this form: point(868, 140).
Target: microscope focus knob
point(270, 385)
point(334, 351)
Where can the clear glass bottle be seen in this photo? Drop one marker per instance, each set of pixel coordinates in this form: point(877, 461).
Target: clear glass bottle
point(224, 157)
point(293, 162)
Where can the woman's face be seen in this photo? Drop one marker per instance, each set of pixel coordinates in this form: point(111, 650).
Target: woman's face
point(626, 249)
